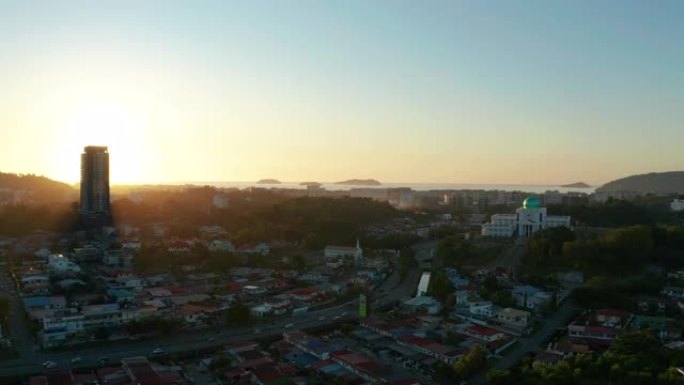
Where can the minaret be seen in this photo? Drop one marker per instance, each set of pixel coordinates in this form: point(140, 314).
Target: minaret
point(359, 253)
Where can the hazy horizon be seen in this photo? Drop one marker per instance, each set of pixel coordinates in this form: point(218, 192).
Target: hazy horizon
point(467, 92)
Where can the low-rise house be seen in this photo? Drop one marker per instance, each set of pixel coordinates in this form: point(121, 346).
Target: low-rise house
point(343, 251)
point(188, 298)
point(335, 263)
point(191, 314)
point(132, 283)
point(464, 298)
point(280, 304)
point(483, 333)
point(514, 318)
point(445, 353)
point(598, 328)
point(132, 314)
point(530, 297)
point(158, 292)
point(674, 292)
point(654, 304)
point(261, 310)
point(261, 248)
point(456, 280)
point(667, 329)
point(212, 231)
point(305, 295)
point(220, 245)
point(120, 295)
point(179, 246)
point(423, 304)
point(484, 308)
point(113, 258)
point(59, 264)
point(35, 280)
point(361, 280)
point(253, 290)
point(312, 277)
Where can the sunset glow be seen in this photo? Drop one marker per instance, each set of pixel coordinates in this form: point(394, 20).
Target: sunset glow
point(459, 92)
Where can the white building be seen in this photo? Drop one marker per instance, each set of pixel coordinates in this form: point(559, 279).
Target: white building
point(220, 245)
point(526, 220)
point(220, 201)
point(343, 251)
point(677, 205)
point(57, 263)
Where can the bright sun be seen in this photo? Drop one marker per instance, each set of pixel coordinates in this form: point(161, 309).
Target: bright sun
point(116, 126)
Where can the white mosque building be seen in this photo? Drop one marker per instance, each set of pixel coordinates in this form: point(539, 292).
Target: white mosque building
point(526, 220)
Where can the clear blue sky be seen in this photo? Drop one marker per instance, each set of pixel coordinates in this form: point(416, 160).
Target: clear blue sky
point(401, 91)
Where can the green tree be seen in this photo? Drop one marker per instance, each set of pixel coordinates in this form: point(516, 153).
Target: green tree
point(407, 261)
point(238, 314)
point(101, 333)
point(469, 364)
point(440, 286)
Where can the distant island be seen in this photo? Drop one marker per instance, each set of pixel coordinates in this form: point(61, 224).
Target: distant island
point(576, 185)
point(360, 182)
point(268, 181)
point(656, 182)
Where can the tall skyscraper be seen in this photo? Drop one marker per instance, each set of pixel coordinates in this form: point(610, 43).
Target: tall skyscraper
point(95, 182)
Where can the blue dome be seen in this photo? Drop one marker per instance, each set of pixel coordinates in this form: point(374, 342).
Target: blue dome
point(532, 203)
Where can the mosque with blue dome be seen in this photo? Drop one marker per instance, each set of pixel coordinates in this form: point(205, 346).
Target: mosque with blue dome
point(526, 220)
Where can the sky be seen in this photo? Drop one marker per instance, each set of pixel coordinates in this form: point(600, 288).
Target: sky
point(529, 92)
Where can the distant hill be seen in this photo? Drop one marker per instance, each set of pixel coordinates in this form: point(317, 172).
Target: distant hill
point(656, 182)
point(36, 188)
point(576, 185)
point(268, 181)
point(360, 182)
point(31, 182)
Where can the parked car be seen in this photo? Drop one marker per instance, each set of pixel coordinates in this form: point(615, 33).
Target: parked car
point(49, 364)
point(158, 351)
point(76, 360)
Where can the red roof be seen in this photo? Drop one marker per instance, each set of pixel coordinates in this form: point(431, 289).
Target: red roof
point(612, 312)
point(600, 329)
point(179, 245)
point(255, 363)
point(482, 330)
point(304, 291)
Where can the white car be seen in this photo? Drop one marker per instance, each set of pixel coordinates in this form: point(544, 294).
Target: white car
point(256, 331)
point(158, 351)
point(336, 317)
point(49, 364)
point(289, 326)
point(211, 339)
point(321, 318)
point(76, 360)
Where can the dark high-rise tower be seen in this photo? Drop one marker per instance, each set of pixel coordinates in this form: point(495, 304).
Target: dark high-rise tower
point(95, 182)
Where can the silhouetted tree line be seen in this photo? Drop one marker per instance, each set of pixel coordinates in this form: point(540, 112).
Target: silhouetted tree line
point(617, 250)
point(646, 210)
point(24, 219)
point(257, 215)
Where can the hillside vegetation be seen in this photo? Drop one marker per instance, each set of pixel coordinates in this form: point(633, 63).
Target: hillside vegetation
point(657, 182)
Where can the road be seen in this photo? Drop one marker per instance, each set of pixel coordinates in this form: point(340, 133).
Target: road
point(187, 342)
point(30, 360)
point(22, 339)
point(534, 342)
